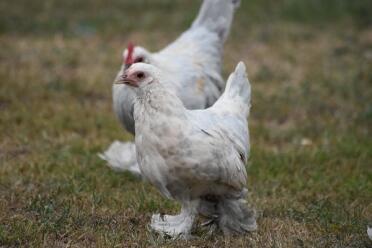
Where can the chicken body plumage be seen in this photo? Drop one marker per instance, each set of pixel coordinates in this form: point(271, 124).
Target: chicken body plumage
point(193, 63)
point(196, 157)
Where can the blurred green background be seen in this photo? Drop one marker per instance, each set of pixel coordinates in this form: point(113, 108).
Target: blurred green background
point(113, 17)
point(310, 173)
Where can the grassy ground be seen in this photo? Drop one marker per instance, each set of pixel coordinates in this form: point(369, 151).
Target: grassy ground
point(310, 173)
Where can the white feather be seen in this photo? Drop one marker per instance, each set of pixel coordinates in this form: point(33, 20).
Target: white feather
point(190, 155)
point(193, 62)
point(120, 153)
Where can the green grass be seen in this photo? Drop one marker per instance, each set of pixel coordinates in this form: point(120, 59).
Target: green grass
point(310, 172)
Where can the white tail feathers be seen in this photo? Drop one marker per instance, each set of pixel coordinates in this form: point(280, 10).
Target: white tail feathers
point(238, 88)
point(217, 16)
point(121, 156)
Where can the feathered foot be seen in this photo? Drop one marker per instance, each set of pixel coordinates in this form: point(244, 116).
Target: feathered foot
point(177, 226)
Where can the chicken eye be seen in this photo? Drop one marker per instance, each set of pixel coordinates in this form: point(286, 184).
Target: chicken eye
point(139, 60)
point(140, 75)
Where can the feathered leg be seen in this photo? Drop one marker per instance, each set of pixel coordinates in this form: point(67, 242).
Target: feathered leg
point(230, 214)
point(235, 217)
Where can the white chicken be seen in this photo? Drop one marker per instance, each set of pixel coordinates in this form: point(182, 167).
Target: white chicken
point(193, 61)
point(196, 157)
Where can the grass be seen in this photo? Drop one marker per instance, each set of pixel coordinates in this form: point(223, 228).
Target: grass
point(310, 174)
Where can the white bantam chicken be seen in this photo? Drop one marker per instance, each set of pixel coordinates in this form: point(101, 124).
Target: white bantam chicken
point(193, 61)
point(196, 157)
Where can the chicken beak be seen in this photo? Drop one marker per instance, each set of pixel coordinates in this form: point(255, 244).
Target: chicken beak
point(126, 80)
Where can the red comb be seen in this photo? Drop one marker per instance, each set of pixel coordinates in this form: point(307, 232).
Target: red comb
point(129, 59)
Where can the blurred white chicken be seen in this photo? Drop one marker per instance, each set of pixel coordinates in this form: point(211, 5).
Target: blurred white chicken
point(193, 62)
point(196, 157)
